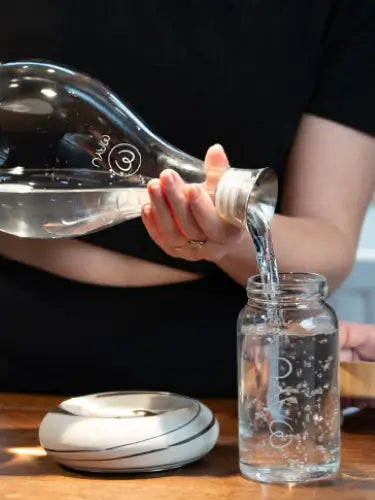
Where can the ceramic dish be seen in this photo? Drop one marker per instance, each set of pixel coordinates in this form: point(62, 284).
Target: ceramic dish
point(128, 432)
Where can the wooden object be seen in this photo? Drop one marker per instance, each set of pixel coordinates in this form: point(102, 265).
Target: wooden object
point(26, 473)
point(357, 379)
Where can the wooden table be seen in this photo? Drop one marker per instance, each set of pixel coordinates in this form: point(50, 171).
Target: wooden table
point(28, 474)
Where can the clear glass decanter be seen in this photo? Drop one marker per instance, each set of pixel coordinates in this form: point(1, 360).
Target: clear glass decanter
point(75, 159)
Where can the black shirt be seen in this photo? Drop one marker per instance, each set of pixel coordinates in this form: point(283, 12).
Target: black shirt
point(241, 73)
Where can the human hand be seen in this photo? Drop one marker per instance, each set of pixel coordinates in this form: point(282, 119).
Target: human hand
point(356, 341)
point(182, 219)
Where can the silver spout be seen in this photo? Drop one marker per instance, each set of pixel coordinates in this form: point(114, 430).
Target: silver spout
point(247, 193)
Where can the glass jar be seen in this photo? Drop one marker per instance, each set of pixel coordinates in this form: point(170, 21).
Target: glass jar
point(288, 381)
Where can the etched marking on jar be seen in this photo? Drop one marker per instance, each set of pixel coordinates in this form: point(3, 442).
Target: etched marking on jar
point(280, 438)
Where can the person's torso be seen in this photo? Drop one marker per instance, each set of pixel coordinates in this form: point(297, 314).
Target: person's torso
point(198, 72)
point(238, 73)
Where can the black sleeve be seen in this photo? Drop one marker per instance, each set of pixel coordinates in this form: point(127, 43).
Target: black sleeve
point(345, 89)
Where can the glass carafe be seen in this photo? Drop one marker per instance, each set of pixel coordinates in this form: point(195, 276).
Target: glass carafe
point(75, 159)
point(288, 381)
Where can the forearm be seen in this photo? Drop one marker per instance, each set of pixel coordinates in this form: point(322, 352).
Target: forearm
point(301, 244)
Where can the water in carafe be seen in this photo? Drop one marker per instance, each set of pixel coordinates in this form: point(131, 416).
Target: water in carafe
point(75, 159)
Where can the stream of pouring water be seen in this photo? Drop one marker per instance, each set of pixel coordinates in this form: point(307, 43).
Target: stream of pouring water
point(260, 231)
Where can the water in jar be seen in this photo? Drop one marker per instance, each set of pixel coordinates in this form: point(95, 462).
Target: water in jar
point(288, 405)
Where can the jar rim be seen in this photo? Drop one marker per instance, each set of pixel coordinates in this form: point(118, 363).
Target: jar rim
point(301, 284)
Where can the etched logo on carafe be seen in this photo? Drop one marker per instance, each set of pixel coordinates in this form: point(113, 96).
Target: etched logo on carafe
point(123, 159)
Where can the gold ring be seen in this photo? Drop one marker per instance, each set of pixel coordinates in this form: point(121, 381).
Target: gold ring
point(196, 243)
point(192, 243)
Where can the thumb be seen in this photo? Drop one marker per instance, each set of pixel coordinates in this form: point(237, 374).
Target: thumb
point(215, 164)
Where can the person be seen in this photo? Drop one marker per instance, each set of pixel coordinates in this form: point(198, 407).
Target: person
point(356, 341)
point(289, 85)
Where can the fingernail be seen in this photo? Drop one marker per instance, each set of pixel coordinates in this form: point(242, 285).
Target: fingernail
point(147, 210)
point(218, 147)
point(154, 187)
point(168, 178)
point(193, 193)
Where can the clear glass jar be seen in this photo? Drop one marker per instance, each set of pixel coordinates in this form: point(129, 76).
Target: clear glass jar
point(288, 381)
